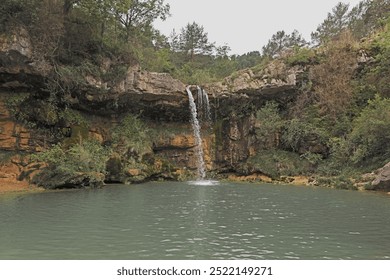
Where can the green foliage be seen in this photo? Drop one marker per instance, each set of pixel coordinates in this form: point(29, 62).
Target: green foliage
point(194, 75)
point(14, 103)
point(32, 112)
point(168, 130)
point(301, 56)
point(370, 136)
point(281, 42)
point(361, 20)
point(75, 74)
point(312, 158)
point(365, 146)
point(223, 67)
point(276, 163)
point(17, 11)
point(269, 125)
point(82, 164)
point(132, 135)
point(139, 14)
point(88, 156)
point(247, 60)
point(72, 117)
point(159, 61)
point(335, 23)
point(297, 133)
point(367, 16)
point(194, 40)
point(377, 75)
point(260, 66)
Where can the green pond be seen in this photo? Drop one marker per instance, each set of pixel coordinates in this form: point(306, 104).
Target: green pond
point(173, 220)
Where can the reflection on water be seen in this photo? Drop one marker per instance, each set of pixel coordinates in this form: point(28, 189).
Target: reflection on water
point(186, 221)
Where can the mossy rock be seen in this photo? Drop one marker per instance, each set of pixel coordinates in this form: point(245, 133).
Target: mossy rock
point(54, 180)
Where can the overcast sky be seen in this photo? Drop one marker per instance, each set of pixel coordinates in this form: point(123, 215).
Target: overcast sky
point(247, 25)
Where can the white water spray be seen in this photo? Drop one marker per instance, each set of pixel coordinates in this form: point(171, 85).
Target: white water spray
point(203, 105)
point(201, 167)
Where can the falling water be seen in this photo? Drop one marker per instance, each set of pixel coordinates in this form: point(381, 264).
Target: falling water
point(198, 140)
point(203, 105)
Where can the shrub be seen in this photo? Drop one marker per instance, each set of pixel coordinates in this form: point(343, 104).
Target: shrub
point(21, 11)
point(370, 136)
point(333, 91)
point(378, 73)
point(88, 156)
point(301, 56)
point(268, 125)
point(298, 136)
point(82, 164)
point(275, 163)
point(14, 105)
point(132, 135)
point(72, 117)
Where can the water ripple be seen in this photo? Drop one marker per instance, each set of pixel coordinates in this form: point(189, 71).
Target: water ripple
point(184, 221)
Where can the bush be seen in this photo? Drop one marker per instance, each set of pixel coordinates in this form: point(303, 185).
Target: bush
point(276, 163)
point(300, 136)
point(14, 104)
point(370, 136)
point(132, 135)
point(88, 156)
point(192, 73)
point(301, 56)
point(17, 11)
point(268, 125)
point(72, 117)
point(86, 160)
point(378, 73)
point(333, 91)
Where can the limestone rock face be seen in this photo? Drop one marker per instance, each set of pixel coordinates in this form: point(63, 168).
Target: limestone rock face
point(233, 141)
point(179, 149)
point(14, 172)
point(17, 68)
point(15, 136)
point(154, 95)
point(274, 79)
point(382, 180)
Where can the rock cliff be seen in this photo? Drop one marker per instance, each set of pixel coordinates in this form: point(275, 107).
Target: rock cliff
point(29, 123)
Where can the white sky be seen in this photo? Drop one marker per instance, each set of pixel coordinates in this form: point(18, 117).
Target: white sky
point(247, 25)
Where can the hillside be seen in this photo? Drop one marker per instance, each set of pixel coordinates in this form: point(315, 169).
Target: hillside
point(86, 100)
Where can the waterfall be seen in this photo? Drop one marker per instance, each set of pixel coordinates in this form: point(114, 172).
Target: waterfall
point(196, 128)
point(203, 105)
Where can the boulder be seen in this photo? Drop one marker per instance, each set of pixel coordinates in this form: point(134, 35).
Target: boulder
point(50, 180)
point(382, 179)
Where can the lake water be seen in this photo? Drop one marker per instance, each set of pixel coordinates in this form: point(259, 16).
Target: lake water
point(181, 221)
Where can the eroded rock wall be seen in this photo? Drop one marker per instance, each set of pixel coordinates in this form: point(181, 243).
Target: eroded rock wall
point(157, 98)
